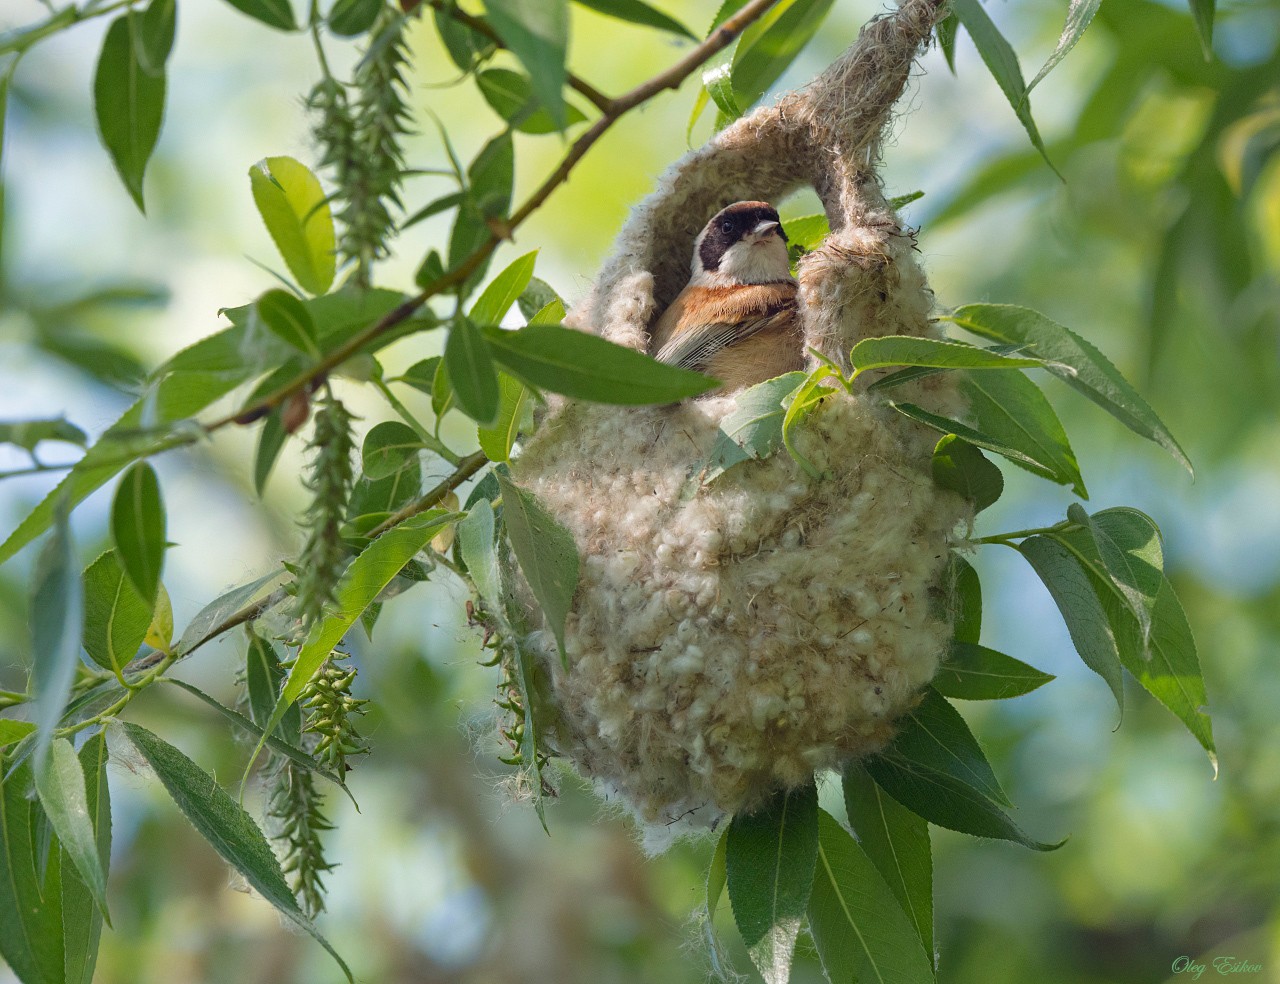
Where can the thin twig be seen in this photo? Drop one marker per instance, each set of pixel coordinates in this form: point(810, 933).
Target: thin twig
point(467, 467)
point(721, 38)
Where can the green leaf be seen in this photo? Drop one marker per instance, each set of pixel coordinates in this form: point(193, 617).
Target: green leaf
point(273, 13)
point(537, 298)
point(224, 824)
point(31, 929)
point(1075, 361)
point(287, 318)
point(1079, 16)
point(81, 917)
point(389, 447)
point(551, 313)
point(859, 929)
point(946, 30)
point(1001, 59)
point(1203, 11)
point(116, 617)
point(717, 874)
point(490, 180)
point(442, 396)
point(767, 47)
point(60, 783)
point(13, 731)
point(26, 434)
point(769, 858)
point(510, 94)
point(637, 12)
point(1067, 579)
point(347, 18)
point(933, 733)
point(466, 47)
point(224, 606)
point(896, 841)
point(973, 672)
point(966, 599)
point(718, 83)
point(503, 291)
point(476, 544)
point(271, 441)
point(753, 430)
point(472, 376)
point(538, 35)
point(155, 32)
point(1128, 544)
point(947, 425)
point(514, 416)
point(296, 213)
point(1010, 408)
point(587, 367)
point(138, 529)
point(432, 266)
point(57, 603)
point(546, 553)
point(962, 468)
point(264, 676)
point(908, 350)
point(422, 375)
point(128, 102)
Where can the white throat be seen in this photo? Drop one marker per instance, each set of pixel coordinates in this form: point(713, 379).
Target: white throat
point(748, 261)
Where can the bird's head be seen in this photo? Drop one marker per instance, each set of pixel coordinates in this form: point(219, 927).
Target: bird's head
point(743, 243)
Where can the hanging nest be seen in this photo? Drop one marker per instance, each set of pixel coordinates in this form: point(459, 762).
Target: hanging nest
point(729, 639)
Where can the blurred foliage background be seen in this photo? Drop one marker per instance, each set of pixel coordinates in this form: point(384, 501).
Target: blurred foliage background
point(1161, 245)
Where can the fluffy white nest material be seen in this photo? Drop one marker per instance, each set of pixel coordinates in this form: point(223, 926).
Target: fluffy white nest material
point(726, 643)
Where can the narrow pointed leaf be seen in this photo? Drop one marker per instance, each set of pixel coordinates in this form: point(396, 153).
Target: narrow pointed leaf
point(896, 841)
point(769, 859)
point(909, 350)
point(224, 824)
point(638, 12)
point(966, 599)
point(81, 917)
point(767, 48)
point(538, 35)
point(1203, 11)
point(224, 606)
point(293, 207)
point(472, 376)
point(273, 13)
point(1067, 579)
point(155, 32)
point(1074, 360)
point(934, 733)
point(476, 543)
point(546, 552)
point(1132, 555)
point(1079, 17)
point(60, 783)
point(128, 102)
point(947, 425)
point(503, 291)
point(138, 529)
point(972, 672)
point(31, 905)
point(57, 605)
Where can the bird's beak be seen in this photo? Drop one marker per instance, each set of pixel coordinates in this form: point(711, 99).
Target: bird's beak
point(765, 229)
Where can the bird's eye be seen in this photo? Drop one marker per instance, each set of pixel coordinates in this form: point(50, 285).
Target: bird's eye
point(726, 226)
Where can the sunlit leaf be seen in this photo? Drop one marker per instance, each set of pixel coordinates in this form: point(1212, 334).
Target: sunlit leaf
point(502, 292)
point(896, 841)
point(81, 916)
point(129, 105)
point(514, 415)
point(769, 858)
point(909, 350)
point(858, 927)
point(638, 12)
point(1129, 546)
point(293, 207)
point(769, 45)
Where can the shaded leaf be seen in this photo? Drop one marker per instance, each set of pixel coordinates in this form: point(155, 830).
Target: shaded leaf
point(287, 318)
point(1068, 582)
point(273, 13)
point(224, 606)
point(296, 213)
point(973, 672)
point(858, 927)
point(224, 824)
point(537, 297)
point(476, 544)
point(946, 30)
point(81, 917)
point(473, 379)
point(388, 448)
point(13, 731)
point(1074, 360)
point(31, 933)
point(587, 367)
point(422, 375)
point(465, 46)
point(909, 350)
point(26, 434)
point(56, 614)
point(538, 35)
point(138, 529)
point(546, 552)
point(347, 18)
point(1128, 544)
point(753, 429)
point(962, 468)
point(947, 425)
point(116, 617)
point(1203, 11)
point(769, 858)
point(896, 841)
point(966, 599)
point(155, 32)
point(510, 94)
point(933, 733)
point(514, 415)
point(271, 441)
point(60, 783)
point(128, 102)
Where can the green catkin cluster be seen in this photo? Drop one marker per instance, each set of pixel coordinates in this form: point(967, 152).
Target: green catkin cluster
point(359, 129)
point(329, 480)
point(332, 713)
point(295, 806)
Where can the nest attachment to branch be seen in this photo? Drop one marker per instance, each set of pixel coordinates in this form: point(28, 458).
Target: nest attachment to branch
point(729, 639)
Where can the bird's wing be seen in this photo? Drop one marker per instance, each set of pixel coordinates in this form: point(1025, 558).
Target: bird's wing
point(694, 347)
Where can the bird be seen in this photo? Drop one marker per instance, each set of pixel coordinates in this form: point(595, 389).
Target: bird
point(736, 319)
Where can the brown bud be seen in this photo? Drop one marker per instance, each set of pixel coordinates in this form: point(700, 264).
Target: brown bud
point(252, 414)
point(296, 411)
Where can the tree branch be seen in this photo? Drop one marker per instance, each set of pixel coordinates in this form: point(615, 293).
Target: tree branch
point(720, 39)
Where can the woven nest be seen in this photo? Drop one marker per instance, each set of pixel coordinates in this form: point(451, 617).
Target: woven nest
point(727, 642)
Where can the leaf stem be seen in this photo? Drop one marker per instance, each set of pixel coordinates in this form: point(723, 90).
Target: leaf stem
point(1004, 538)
